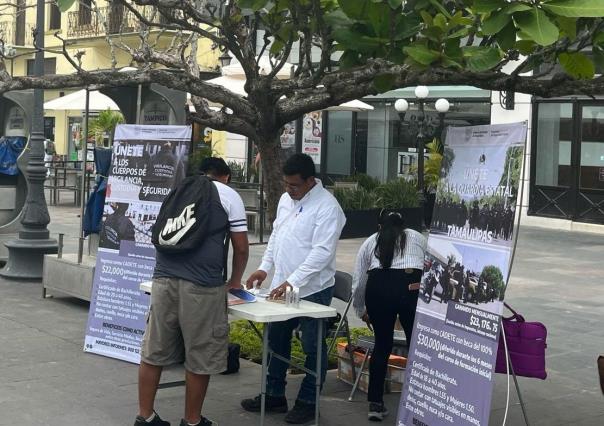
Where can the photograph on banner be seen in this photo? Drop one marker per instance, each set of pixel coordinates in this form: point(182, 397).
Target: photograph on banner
point(146, 170)
point(127, 222)
point(462, 273)
point(476, 200)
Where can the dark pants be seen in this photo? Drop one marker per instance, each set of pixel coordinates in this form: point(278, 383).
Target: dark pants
point(387, 296)
point(280, 341)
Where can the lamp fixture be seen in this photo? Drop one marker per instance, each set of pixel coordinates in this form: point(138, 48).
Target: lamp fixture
point(422, 92)
point(225, 59)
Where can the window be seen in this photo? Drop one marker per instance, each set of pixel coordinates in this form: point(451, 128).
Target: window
point(554, 142)
point(54, 17)
point(339, 143)
point(50, 66)
point(85, 12)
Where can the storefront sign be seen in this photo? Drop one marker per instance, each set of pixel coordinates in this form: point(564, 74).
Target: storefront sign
point(312, 134)
point(601, 174)
point(147, 162)
point(156, 112)
point(449, 377)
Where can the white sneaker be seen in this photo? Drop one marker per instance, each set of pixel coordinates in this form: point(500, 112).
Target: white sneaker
point(377, 411)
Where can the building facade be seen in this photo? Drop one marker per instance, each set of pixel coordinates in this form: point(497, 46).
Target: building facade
point(86, 31)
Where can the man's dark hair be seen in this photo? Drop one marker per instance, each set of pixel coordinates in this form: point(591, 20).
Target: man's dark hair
point(300, 164)
point(214, 166)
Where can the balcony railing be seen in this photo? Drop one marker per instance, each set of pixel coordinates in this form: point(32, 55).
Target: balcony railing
point(16, 35)
point(107, 20)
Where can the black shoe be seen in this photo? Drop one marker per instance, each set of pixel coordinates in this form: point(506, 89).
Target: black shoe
point(273, 404)
point(377, 411)
point(157, 421)
point(203, 422)
point(301, 413)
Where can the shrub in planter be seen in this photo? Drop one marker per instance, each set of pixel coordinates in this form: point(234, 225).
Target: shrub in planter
point(362, 207)
point(366, 182)
point(397, 194)
point(251, 345)
point(355, 199)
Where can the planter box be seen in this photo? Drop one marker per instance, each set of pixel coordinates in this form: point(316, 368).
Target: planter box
point(363, 223)
point(395, 373)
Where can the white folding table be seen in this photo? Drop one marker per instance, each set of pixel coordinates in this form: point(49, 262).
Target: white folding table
point(266, 312)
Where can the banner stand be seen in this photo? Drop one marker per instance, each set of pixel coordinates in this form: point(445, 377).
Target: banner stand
point(511, 369)
point(507, 353)
point(450, 376)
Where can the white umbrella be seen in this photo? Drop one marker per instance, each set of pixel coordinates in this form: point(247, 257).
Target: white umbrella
point(77, 101)
point(354, 106)
point(236, 86)
point(264, 64)
point(233, 84)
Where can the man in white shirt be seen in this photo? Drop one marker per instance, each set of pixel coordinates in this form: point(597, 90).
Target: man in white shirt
point(302, 252)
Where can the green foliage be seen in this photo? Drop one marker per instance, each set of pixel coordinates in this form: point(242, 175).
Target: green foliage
point(432, 165)
point(355, 199)
point(576, 8)
point(537, 26)
point(577, 65)
point(251, 344)
point(365, 181)
point(105, 123)
point(237, 171)
point(397, 194)
point(428, 33)
point(371, 194)
point(65, 5)
point(195, 159)
point(513, 163)
point(492, 275)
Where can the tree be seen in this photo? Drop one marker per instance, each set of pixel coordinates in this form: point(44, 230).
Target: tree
point(347, 49)
point(493, 276)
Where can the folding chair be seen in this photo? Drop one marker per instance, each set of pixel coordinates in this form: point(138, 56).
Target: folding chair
point(368, 343)
point(343, 292)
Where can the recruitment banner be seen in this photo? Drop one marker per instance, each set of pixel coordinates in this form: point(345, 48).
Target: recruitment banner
point(147, 162)
point(449, 377)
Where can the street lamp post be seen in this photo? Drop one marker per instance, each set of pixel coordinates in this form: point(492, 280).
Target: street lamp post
point(402, 106)
point(26, 253)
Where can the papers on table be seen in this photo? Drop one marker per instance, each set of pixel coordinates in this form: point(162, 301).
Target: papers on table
point(238, 296)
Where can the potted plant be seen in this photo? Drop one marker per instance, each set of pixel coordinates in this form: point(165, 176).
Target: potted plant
point(104, 125)
point(362, 206)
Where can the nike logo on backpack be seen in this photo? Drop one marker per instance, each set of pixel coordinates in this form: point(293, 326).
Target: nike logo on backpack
point(180, 225)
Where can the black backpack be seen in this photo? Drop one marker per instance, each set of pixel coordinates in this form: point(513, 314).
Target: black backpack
point(184, 217)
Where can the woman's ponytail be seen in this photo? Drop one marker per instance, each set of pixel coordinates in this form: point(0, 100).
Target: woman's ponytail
point(391, 237)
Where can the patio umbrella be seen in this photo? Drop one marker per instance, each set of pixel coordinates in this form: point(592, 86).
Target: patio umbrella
point(77, 101)
point(236, 85)
point(354, 106)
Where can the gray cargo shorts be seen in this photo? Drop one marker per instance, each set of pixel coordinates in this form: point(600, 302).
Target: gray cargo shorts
point(187, 322)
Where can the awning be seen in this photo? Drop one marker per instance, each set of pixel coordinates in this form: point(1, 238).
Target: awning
point(77, 101)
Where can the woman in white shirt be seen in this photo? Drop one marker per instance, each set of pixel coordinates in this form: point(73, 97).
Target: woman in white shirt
point(386, 285)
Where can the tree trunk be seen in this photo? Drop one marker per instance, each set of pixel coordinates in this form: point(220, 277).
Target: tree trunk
point(272, 164)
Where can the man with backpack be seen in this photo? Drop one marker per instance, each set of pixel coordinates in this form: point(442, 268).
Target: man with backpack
point(188, 315)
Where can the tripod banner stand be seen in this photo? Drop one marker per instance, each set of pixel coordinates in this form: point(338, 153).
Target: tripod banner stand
point(450, 370)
